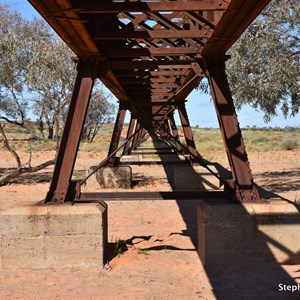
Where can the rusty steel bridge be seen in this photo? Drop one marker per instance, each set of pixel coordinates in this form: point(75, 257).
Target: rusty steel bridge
point(151, 55)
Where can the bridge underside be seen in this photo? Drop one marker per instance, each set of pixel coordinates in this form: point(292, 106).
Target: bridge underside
point(151, 55)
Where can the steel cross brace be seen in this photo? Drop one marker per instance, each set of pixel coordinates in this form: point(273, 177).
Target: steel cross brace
point(105, 161)
point(195, 156)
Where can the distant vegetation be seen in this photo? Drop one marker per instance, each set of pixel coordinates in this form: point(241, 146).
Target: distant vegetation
point(207, 139)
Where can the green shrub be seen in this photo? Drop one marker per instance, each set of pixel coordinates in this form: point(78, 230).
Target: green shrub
point(289, 144)
point(260, 139)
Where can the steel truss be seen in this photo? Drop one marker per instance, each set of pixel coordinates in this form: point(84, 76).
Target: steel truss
point(151, 55)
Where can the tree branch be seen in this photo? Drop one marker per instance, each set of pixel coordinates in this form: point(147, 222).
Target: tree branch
point(8, 147)
point(6, 177)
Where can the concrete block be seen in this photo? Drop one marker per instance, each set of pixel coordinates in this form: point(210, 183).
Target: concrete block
point(53, 236)
point(114, 177)
point(130, 158)
point(194, 178)
point(233, 232)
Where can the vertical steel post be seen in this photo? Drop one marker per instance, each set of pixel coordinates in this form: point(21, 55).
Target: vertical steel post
point(62, 189)
point(232, 136)
point(187, 131)
point(174, 132)
point(136, 137)
point(115, 139)
point(130, 131)
point(173, 127)
point(141, 134)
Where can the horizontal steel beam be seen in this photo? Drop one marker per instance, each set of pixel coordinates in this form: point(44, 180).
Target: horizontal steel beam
point(115, 196)
point(147, 80)
point(88, 7)
point(129, 65)
point(176, 51)
point(149, 34)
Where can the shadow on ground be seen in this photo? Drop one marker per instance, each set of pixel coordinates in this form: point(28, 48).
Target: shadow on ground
point(254, 273)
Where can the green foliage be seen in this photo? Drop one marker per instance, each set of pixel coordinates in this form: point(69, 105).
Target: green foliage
point(120, 247)
point(143, 251)
point(264, 69)
point(289, 144)
point(37, 78)
point(100, 111)
point(260, 139)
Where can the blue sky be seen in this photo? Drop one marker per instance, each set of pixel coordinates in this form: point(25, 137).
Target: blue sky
point(199, 106)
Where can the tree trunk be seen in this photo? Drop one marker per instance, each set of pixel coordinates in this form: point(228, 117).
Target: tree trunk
point(50, 132)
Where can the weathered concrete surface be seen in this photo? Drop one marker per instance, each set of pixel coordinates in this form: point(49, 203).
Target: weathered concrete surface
point(119, 177)
point(194, 178)
point(130, 158)
point(231, 232)
point(53, 236)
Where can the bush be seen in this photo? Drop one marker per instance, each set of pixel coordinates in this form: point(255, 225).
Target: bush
point(260, 139)
point(289, 144)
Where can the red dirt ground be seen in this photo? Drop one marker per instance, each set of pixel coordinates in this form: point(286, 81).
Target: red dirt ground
point(161, 261)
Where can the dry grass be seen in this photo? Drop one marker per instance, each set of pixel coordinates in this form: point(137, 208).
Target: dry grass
point(208, 141)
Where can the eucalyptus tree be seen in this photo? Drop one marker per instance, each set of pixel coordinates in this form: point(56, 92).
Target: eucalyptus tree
point(15, 56)
point(36, 82)
point(264, 68)
point(100, 111)
point(37, 77)
point(50, 77)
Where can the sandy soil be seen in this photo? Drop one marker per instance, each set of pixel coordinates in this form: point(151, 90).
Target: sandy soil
point(161, 261)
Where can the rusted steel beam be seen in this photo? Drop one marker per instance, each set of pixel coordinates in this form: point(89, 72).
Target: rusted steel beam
point(115, 139)
point(61, 188)
point(168, 73)
point(124, 73)
point(199, 19)
point(140, 139)
point(135, 138)
point(174, 133)
point(149, 34)
point(172, 195)
point(105, 161)
point(131, 128)
point(156, 103)
point(137, 141)
point(137, 52)
point(142, 65)
point(115, 7)
point(187, 131)
point(173, 126)
point(237, 17)
point(232, 136)
point(138, 80)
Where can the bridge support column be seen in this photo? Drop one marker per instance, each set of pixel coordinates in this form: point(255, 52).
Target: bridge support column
point(187, 131)
point(136, 136)
point(174, 131)
point(116, 133)
point(242, 178)
point(62, 189)
point(130, 131)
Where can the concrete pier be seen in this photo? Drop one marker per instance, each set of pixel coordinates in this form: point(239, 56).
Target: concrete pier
point(233, 232)
point(53, 236)
point(194, 178)
point(119, 177)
